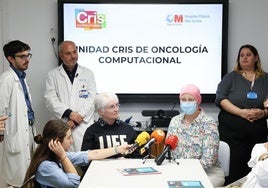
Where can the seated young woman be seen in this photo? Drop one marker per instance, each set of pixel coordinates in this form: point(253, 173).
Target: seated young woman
point(53, 166)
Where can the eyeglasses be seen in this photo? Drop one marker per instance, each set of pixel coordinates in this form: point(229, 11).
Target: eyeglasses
point(24, 57)
point(113, 107)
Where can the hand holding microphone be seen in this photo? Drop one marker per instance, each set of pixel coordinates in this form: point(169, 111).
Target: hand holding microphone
point(157, 137)
point(170, 144)
point(141, 139)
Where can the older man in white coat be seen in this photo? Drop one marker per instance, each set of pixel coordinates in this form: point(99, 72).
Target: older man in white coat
point(70, 92)
point(17, 142)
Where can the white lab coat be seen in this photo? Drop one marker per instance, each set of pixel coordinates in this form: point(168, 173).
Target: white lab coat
point(258, 177)
point(17, 146)
point(61, 94)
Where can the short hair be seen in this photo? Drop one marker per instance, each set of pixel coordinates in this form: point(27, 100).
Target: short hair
point(15, 46)
point(102, 99)
point(64, 42)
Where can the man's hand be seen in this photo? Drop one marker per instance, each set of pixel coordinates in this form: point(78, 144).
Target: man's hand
point(2, 122)
point(2, 127)
point(2, 138)
point(76, 117)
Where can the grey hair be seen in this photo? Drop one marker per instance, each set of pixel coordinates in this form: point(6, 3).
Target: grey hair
point(62, 43)
point(102, 99)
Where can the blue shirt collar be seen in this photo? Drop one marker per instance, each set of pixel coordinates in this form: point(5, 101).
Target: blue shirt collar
point(21, 74)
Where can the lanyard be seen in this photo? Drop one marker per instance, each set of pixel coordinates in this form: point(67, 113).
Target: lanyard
point(252, 83)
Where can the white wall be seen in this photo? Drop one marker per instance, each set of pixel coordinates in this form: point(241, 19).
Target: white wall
point(31, 21)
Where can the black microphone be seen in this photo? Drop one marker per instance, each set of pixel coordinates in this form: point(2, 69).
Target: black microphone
point(157, 137)
point(76, 75)
point(170, 144)
point(141, 139)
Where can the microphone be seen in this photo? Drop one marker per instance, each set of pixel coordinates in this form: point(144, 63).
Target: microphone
point(157, 137)
point(170, 144)
point(141, 139)
point(128, 119)
point(76, 75)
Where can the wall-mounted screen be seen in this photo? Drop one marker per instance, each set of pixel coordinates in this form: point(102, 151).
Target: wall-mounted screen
point(146, 51)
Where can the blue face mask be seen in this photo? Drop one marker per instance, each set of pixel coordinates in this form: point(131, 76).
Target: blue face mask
point(188, 107)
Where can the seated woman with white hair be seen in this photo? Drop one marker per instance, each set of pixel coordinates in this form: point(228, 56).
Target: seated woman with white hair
point(108, 130)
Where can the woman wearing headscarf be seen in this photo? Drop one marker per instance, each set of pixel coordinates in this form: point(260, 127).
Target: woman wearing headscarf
point(197, 133)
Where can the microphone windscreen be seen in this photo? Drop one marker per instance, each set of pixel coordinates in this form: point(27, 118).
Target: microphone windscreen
point(142, 138)
point(172, 141)
point(159, 136)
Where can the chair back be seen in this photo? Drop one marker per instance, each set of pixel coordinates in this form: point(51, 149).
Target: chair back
point(27, 181)
point(224, 157)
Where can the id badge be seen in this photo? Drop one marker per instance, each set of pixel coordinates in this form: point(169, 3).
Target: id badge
point(83, 94)
point(252, 95)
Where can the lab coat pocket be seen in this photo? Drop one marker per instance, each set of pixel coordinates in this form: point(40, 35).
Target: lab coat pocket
point(12, 143)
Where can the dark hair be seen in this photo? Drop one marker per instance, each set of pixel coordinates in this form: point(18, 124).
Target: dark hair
point(15, 46)
point(258, 69)
point(54, 129)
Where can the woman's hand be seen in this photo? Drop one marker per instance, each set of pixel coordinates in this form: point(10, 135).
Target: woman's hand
point(252, 114)
point(256, 113)
point(97, 154)
point(124, 149)
point(245, 113)
point(56, 147)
